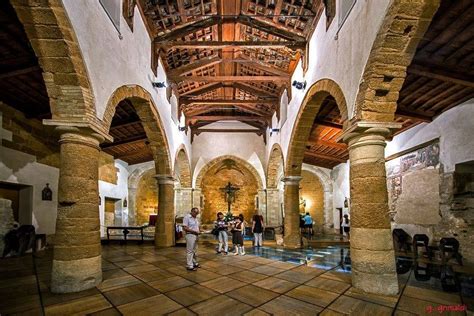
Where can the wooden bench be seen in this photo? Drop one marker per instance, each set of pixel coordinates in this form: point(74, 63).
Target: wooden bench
point(125, 232)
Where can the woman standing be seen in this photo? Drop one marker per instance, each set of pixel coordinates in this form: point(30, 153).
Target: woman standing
point(222, 236)
point(237, 237)
point(346, 226)
point(257, 229)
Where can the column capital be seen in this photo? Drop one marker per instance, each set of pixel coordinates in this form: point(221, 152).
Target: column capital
point(72, 134)
point(91, 126)
point(165, 179)
point(292, 180)
point(359, 128)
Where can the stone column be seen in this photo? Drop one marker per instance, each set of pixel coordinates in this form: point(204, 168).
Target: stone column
point(292, 236)
point(77, 251)
point(197, 193)
point(164, 229)
point(273, 207)
point(262, 203)
point(372, 254)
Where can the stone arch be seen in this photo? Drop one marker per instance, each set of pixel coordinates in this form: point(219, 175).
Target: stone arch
point(328, 191)
point(183, 165)
point(150, 118)
point(311, 104)
point(55, 44)
point(133, 181)
point(220, 159)
point(403, 27)
point(275, 161)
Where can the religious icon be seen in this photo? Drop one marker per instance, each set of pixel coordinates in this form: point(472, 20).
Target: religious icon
point(47, 194)
point(229, 194)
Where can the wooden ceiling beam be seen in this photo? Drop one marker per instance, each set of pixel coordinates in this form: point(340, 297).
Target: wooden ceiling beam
point(230, 78)
point(216, 118)
point(294, 45)
point(186, 30)
point(318, 142)
point(434, 73)
point(126, 141)
point(413, 116)
point(261, 65)
point(324, 156)
point(269, 28)
point(188, 101)
point(252, 90)
point(198, 131)
point(327, 124)
point(18, 72)
point(202, 89)
point(198, 64)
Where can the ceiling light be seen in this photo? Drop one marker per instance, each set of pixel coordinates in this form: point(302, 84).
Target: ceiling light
point(159, 84)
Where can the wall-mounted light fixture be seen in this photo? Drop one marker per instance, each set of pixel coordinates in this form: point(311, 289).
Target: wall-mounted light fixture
point(274, 130)
point(159, 84)
point(299, 85)
point(181, 128)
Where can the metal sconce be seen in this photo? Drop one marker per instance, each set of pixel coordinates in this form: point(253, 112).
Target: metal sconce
point(181, 128)
point(125, 203)
point(299, 85)
point(160, 84)
point(274, 130)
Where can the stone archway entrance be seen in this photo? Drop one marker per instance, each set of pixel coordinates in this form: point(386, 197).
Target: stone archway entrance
point(216, 175)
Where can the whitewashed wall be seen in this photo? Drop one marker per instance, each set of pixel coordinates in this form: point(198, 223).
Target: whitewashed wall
point(21, 168)
point(116, 191)
point(341, 189)
point(112, 62)
point(342, 60)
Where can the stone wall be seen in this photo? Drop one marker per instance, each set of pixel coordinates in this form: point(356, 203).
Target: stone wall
point(107, 169)
point(214, 197)
point(146, 197)
point(6, 220)
point(30, 136)
point(312, 193)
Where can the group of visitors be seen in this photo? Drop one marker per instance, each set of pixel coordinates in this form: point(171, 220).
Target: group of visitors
point(237, 228)
point(222, 226)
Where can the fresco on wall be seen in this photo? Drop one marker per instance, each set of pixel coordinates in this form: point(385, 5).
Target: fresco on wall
point(420, 159)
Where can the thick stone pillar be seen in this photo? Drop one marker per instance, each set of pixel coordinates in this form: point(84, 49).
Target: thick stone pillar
point(372, 254)
point(77, 250)
point(262, 203)
point(273, 208)
point(165, 226)
point(292, 236)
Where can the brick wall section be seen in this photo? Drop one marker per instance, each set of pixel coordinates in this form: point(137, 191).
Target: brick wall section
point(30, 136)
point(394, 47)
point(107, 169)
point(182, 168)
point(304, 121)
point(150, 118)
point(55, 44)
point(147, 197)
point(312, 191)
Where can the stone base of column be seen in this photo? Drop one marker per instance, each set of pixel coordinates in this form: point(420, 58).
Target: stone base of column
point(292, 241)
point(76, 275)
point(373, 261)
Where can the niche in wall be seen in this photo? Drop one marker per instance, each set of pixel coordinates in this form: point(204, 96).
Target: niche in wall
point(22, 200)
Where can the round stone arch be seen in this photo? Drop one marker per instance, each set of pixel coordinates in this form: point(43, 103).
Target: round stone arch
point(403, 27)
point(311, 104)
point(133, 181)
point(149, 117)
point(183, 167)
point(328, 191)
point(275, 162)
point(55, 44)
point(220, 159)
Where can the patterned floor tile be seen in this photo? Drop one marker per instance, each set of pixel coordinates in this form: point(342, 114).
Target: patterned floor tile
point(170, 284)
point(313, 295)
point(155, 305)
point(85, 305)
point(352, 306)
point(220, 305)
point(191, 295)
point(252, 295)
point(276, 285)
point(285, 305)
point(223, 284)
point(129, 294)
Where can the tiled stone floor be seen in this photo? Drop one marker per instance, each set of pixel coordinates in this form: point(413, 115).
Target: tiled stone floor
point(140, 280)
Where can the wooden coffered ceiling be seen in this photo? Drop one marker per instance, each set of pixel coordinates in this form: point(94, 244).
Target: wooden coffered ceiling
point(230, 59)
point(21, 80)
point(440, 77)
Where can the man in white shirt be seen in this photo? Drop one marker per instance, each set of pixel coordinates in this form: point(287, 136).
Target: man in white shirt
point(191, 227)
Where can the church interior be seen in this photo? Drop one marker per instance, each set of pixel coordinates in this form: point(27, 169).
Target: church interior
point(338, 131)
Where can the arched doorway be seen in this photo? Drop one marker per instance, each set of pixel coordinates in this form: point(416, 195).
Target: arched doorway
point(216, 175)
point(275, 171)
point(183, 183)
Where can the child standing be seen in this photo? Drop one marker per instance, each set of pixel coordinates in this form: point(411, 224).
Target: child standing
point(237, 238)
